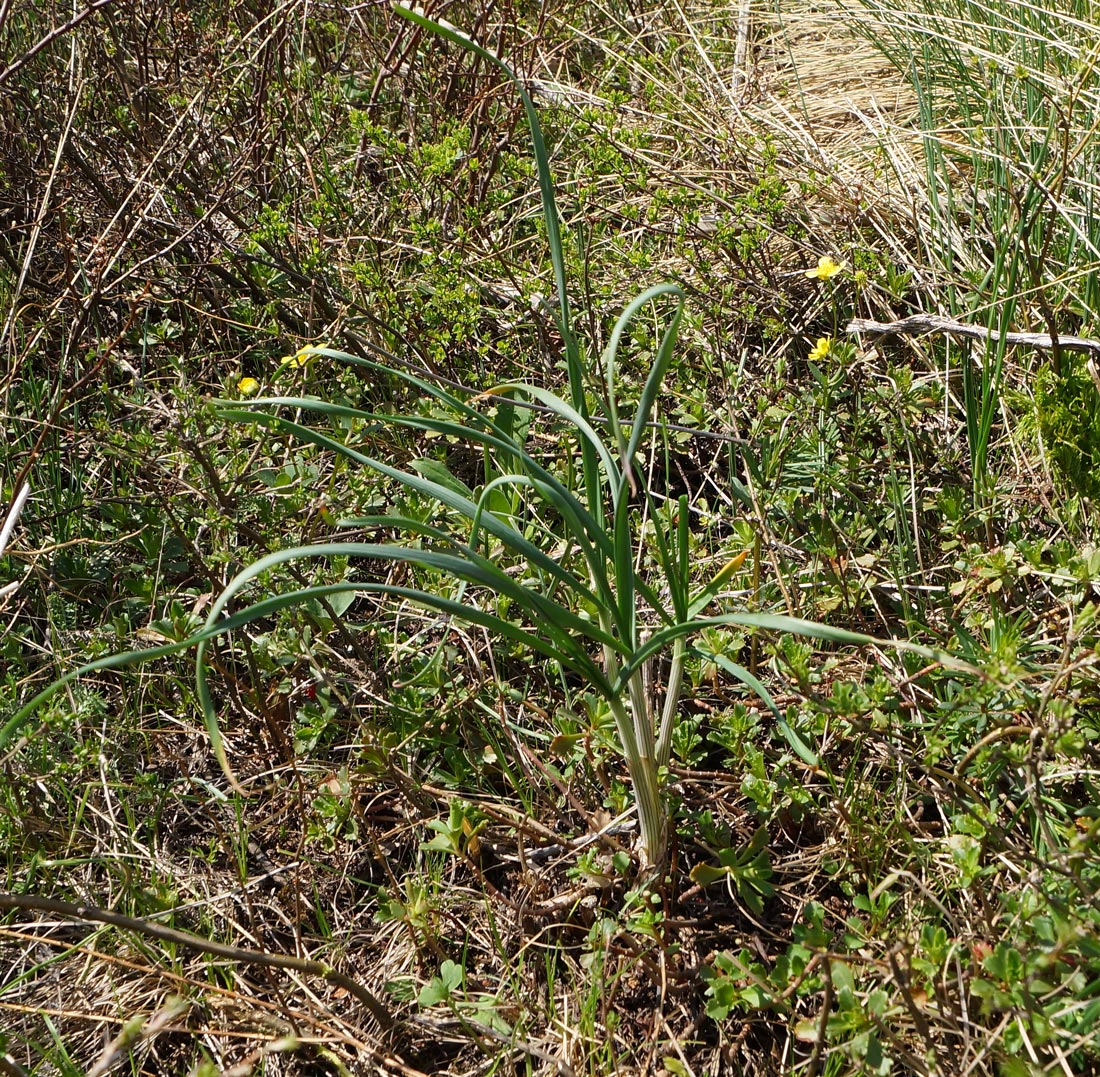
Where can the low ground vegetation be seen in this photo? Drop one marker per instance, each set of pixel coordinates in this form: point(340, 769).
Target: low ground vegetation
point(263, 272)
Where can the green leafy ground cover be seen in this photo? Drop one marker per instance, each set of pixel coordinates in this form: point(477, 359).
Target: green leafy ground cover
point(418, 851)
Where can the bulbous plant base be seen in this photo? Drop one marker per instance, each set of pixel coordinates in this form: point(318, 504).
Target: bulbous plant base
point(652, 848)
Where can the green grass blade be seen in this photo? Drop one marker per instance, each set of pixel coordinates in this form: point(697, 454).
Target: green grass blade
point(442, 427)
point(781, 623)
point(465, 564)
point(798, 745)
point(623, 571)
point(592, 538)
point(564, 411)
point(665, 353)
point(511, 537)
point(553, 231)
point(675, 570)
point(564, 628)
point(610, 360)
point(572, 657)
point(546, 180)
point(604, 596)
point(148, 654)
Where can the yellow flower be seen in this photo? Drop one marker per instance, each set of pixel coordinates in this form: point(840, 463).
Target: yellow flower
point(822, 348)
point(302, 356)
point(825, 269)
point(248, 387)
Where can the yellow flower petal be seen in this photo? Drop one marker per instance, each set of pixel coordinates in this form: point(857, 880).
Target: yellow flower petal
point(298, 359)
point(248, 387)
point(303, 356)
point(821, 349)
point(825, 269)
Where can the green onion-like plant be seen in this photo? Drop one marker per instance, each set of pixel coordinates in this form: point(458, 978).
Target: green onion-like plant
point(548, 554)
point(572, 556)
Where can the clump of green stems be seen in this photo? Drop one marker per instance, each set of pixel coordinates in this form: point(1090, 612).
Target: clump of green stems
point(588, 606)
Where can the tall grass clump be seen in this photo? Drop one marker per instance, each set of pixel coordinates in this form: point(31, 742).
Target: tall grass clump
point(1007, 98)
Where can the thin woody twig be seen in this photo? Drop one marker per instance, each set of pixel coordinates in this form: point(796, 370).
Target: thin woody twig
point(52, 36)
point(934, 323)
point(207, 946)
point(12, 517)
point(917, 324)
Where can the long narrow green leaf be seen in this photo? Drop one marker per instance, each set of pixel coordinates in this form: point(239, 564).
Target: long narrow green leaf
point(634, 583)
point(610, 358)
point(565, 627)
point(514, 539)
point(542, 158)
point(463, 564)
point(624, 564)
point(584, 529)
point(149, 654)
point(515, 424)
point(450, 400)
point(798, 745)
point(682, 567)
point(604, 596)
point(573, 658)
point(505, 480)
point(653, 382)
point(777, 622)
point(442, 427)
point(676, 572)
point(564, 411)
point(629, 449)
point(553, 238)
point(624, 551)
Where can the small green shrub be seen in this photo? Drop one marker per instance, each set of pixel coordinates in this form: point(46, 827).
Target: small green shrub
point(1068, 409)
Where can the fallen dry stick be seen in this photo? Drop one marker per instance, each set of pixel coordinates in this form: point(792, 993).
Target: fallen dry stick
point(195, 942)
point(917, 324)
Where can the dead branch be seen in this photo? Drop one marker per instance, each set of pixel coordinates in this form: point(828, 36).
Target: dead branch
point(207, 946)
point(916, 324)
